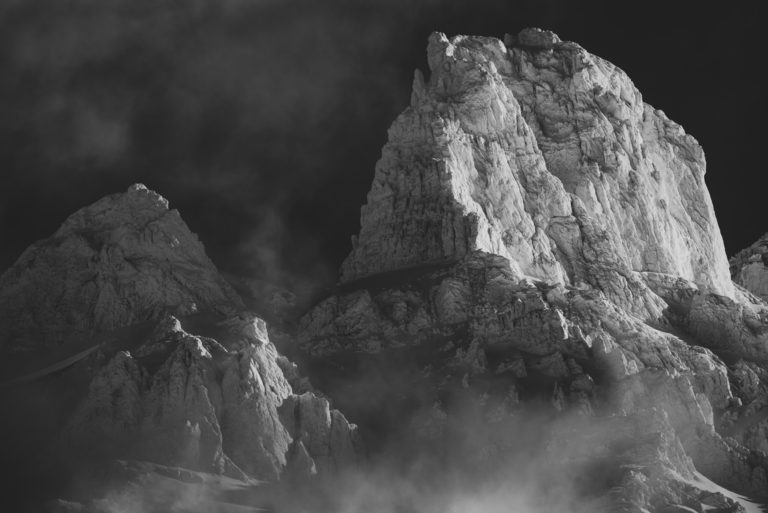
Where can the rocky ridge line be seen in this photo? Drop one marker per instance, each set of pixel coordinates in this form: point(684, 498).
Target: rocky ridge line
point(535, 231)
point(544, 154)
point(125, 259)
point(189, 401)
point(174, 370)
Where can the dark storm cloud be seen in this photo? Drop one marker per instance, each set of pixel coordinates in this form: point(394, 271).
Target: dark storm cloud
point(254, 115)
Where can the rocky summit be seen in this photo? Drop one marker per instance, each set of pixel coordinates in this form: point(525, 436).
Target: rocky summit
point(537, 238)
point(539, 152)
point(188, 401)
point(536, 315)
point(151, 366)
point(125, 259)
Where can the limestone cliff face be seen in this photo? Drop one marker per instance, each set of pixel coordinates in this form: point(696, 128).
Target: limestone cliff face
point(126, 258)
point(534, 232)
point(537, 151)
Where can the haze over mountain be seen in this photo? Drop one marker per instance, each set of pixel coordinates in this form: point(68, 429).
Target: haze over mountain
point(537, 313)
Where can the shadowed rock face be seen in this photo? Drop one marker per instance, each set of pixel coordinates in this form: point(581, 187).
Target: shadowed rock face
point(536, 233)
point(125, 259)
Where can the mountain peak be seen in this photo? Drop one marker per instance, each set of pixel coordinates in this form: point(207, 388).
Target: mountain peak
point(534, 231)
point(124, 259)
point(136, 206)
point(139, 190)
point(549, 159)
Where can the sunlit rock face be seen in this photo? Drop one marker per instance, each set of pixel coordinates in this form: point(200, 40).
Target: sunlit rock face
point(189, 401)
point(537, 151)
point(126, 258)
point(535, 233)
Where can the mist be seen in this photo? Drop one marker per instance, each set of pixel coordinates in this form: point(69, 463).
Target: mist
point(530, 458)
point(460, 463)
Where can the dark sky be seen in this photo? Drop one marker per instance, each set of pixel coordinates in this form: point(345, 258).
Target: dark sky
point(261, 120)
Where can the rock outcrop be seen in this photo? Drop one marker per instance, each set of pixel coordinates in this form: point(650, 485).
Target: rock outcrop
point(160, 361)
point(224, 408)
point(749, 269)
point(125, 259)
point(536, 233)
point(544, 154)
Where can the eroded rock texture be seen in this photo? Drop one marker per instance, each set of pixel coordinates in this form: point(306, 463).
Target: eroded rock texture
point(189, 401)
point(108, 295)
point(748, 268)
point(126, 258)
point(536, 233)
point(546, 155)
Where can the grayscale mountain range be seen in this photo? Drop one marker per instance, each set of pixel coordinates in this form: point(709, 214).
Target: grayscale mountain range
point(537, 315)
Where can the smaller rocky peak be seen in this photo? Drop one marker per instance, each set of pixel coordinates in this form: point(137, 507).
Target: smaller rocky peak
point(168, 335)
point(166, 326)
point(170, 342)
point(166, 329)
point(142, 190)
point(137, 206)
point(182, 399)
point(533, 38)
point(124, 259)
point(247, 328)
